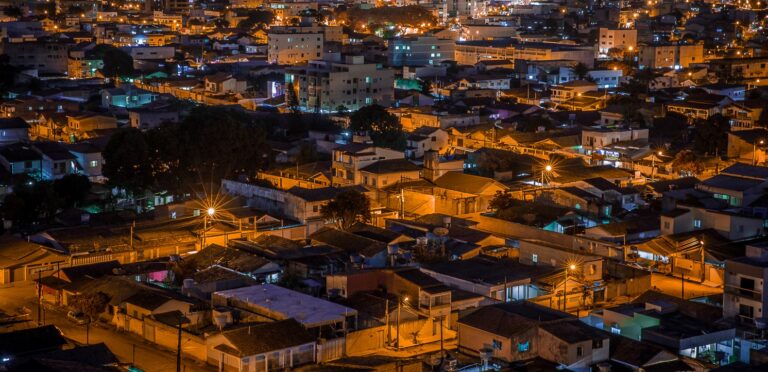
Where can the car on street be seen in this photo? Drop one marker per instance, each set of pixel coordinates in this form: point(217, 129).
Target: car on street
point(77, 317)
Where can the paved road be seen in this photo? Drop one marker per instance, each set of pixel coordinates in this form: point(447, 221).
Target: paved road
point(673, 286)
point(127, 347)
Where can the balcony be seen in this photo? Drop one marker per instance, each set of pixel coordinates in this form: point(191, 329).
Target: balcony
point(744, 292)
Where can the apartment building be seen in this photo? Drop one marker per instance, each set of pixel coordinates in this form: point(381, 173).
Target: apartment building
point(419, 51)
point(45, 57)
point(670, 55)
point(615, 38)
point(83, 64)
point(286, 10)
point(349, 159)
point(746, 283)
point(756, 67)
point(291, 46)
point(598, 137)
point(324, 85)
point(472, 52)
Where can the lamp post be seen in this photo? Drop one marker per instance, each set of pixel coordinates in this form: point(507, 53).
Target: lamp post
point(653, 165)
point(572, 267)
point(754, 150)
point(400, 301)
point(209, 213)
point(547, 169)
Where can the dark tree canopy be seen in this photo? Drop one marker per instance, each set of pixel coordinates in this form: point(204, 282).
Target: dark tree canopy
point(255, 18)
point(711, 136)
point(72, 188)
point(126, 161)
point(210, 144)
point(116, 62)
point(384, 128)
point(347, 208)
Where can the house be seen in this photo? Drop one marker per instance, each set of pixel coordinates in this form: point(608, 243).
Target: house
point(283, 344)
point(571, 89)
point(223, 83)
point(426, 139)
point(320, 317)
point(389, 172)
point(746, 284)
point(747, 114)
point(501, 279)
point(349, 159)
point(748, 145)
point(23, 343)
point(363, 251)
point(502, 332)
point(57, 160)
point(21, 158)
point(89, 159)
point(78, 125)
point(129, 97)
point(23, 261)
point(13, 130)
point(737, 185)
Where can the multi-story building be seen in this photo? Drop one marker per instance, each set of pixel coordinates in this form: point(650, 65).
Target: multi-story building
point(45, 57)
point(472, 52)
point(670, 55)
point(756, 67)
point(349, 159)
point(467, 9)
point(746, 284)
point(419, 51)
point(83, 64)
point(286, 10)
point(615, 38)
point(324, 85)
point(290, 46)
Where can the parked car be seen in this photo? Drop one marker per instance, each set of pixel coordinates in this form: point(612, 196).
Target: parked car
point(78, 317)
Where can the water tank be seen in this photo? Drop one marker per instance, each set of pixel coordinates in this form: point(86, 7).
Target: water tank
point(188, 283)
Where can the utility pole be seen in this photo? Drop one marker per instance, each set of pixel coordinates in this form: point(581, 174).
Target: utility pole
point(39, 296)
point(682, 285)
point(386, 320)
point(178, 346)
point(399, 301)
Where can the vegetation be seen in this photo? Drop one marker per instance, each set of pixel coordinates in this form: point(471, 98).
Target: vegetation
point(92, 304)
point(211, 144)
point(116, 62)
point(409, 16)
point(384, 128)
point(347, 208)
point(257, 19)
point(39, 201)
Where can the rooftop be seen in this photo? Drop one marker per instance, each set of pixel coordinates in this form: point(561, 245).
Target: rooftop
point(309, 311)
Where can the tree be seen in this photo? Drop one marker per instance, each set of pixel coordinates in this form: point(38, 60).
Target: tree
point(580, 70)
point(8, 74)
point(117, 63)
point(426, 87)
point(127, 161)
point(711, 136)
point(255, 18)
point(384, 128)
point(91, 304)
point(31, 201)
point(72, 189)
point(501, 201)
point(12, 11)
point(347, 208)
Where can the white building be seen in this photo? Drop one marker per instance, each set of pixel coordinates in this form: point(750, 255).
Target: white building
point(324, 85)
point(615, 38)
point(290, 47)
point(419, 51)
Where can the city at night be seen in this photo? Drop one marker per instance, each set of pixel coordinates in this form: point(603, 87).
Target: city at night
point(383, 185)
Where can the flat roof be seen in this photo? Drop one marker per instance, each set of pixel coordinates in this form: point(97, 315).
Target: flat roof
point(307, 310)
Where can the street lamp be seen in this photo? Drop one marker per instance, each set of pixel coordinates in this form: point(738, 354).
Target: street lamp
point(209, 214)
point(547, 169)
point(400, 301)
point(572, 267)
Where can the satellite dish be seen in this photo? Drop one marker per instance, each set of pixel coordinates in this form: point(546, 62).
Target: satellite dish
point(440, 231)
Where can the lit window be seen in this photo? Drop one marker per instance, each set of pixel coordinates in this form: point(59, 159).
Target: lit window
point(535, 258)
point(523, 346)
point(94, 163)
point(696, 224)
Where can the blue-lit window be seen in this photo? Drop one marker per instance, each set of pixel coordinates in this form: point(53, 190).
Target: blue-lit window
point(497, 344)
point(523, 346)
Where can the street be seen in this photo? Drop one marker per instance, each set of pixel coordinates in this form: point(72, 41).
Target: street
point(127, 347)
point(673, 286)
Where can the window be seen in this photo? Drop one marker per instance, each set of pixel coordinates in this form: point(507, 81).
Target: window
point(315, 208)
point(535, 258)
point(497, 344)
point(597, 344)
point(579, 351)
point(93, 163)
point(696, 224)
point(523, 346)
